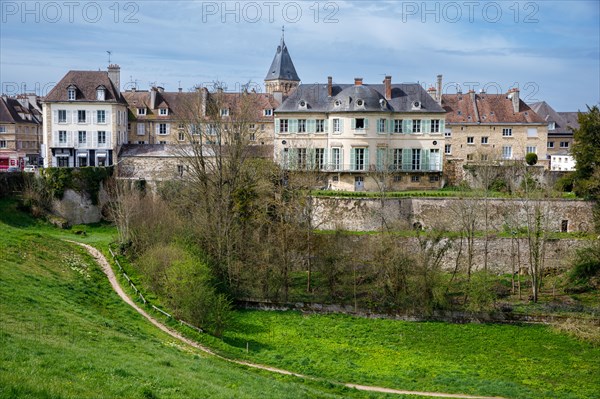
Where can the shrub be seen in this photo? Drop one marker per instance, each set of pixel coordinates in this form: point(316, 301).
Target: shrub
point(531, 158)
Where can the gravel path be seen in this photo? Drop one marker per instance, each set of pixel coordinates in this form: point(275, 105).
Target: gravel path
point(106, 268)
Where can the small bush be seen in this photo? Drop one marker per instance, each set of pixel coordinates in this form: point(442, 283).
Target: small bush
point(531, 158)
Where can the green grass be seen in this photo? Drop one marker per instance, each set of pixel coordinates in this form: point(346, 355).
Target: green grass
point(65, 334)
point(511, 361)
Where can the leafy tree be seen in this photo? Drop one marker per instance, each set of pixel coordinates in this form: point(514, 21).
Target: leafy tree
point(531, 158)
point(586, 151)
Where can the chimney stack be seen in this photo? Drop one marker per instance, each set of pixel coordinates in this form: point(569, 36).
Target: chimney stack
point(204, 94)
point(180, 90)
point(358, 81)
point(439, 89)
point(114, 74)
point(513, 94)
point(329, 86)
point(388, 87)
point(153, 92)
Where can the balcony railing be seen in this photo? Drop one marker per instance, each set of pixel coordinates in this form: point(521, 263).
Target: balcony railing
point(354, 168)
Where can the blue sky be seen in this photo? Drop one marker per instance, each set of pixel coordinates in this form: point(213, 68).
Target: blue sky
point(550, 49)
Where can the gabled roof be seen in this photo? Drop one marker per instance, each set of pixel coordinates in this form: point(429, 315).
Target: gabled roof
point(11, 108)
point(486, 109)
point(282, 66)
point(563, 121)
point(317, 100)
point(86, 83)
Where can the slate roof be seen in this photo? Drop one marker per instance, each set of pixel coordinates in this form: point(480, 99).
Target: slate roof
point(347, 95)
point(282, 66)
point(11, 108)
point(86, 83)
point(486, 109)
point(563, 121)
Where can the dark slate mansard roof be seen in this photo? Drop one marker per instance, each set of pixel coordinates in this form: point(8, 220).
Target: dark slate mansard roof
point(282, 66)
point(563, 121)
point(373, 97)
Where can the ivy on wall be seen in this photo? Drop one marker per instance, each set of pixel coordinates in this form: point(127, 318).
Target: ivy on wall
point(87, 179)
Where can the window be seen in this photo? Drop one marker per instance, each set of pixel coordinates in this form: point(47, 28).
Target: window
point(101, 137)
point(530, 148)
point(469, 157)
point(359, 123)
point(415, 178)
point(62, 116)
point(484, 157)
point(397, 159)
point(101, 116)
point(435, 126)
point(162, 142)
point(397, 178)
point(224, 112)
point(141, 111)
point(180, 136)
point(532, 132)
point(262, 127)
point(62, 161)
point(302, 159)
point(162, 128)
point(416, 126)
point(81, 116)
point(551, 144)
point(181, 126)
point(470, 140)
point(268, 112)
point(82, 137)
point(335, 178)
point(416, 159)
point(434, 178)
point(448, 149)
point(360, 155)
point(564, 144)
point(484, 140)
point(163, 111)
point(2, 143)
point(506, 132)
point(336, 158)
point(397, 125)
point(100, 94)
point(381, 126)
point(71, 93)
point(180, 170)
point(320, 125)
point(283, 125)
point(301, 125)
point(336, 125)
point(62, 137)
point(141, 129)
point(252, 136)
point(141, 142)
point(507, 152)
point(2, 129)
point(320, 158)
point(448, 133)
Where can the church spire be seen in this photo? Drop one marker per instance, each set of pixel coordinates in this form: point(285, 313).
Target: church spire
point(282, 74)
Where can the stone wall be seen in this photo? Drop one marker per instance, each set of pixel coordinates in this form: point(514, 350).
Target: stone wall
point(449, 213)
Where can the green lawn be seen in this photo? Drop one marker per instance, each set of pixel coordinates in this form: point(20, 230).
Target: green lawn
point(65, 334)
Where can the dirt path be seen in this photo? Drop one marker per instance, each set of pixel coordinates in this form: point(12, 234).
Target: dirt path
point(103, 262)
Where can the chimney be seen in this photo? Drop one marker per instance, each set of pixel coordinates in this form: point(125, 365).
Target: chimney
point(204, 99)
point(472, 95)
point(388, 87)
point(329, 86)
point(153, 97)
point(439, 89)
point(357, 81)
point(160, 89)
point(114, 74)
point(513, 94)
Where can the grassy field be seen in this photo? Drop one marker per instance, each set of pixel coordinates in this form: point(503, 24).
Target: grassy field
point(65, 334)
point(504, 360)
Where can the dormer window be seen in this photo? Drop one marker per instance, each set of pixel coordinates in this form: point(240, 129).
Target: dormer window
point(163, 111)
point(360, 102)
point(338, 103)
point(268, 112)
point(224, 111)
point(100, 93)
point(141, 111)
point(302, 104)
point(551, 126)
point(71, 93)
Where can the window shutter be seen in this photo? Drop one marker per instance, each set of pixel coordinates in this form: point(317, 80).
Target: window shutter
point(425, 159)
point(341, 125)
point(380, 158)
point(325, 158)
point(326, 125)
point(442, 126)
point(407, 126)
point(277, 125)
point(168, 128)
point(390, 125)
point(353, 159)
point(311, 126)
point(353, 123)
point(55, 113)
point(426, 125)
point(366, 123)
point(157, 129)
point(367, 159)
point(406, 158)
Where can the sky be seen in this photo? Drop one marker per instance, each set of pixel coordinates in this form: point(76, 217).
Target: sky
point(549, 49)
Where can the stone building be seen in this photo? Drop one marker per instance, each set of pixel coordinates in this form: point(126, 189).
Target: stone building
point(560, 135)
point(483, 127)
point(363, 136)
point(20, 131)
point(85, 119)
